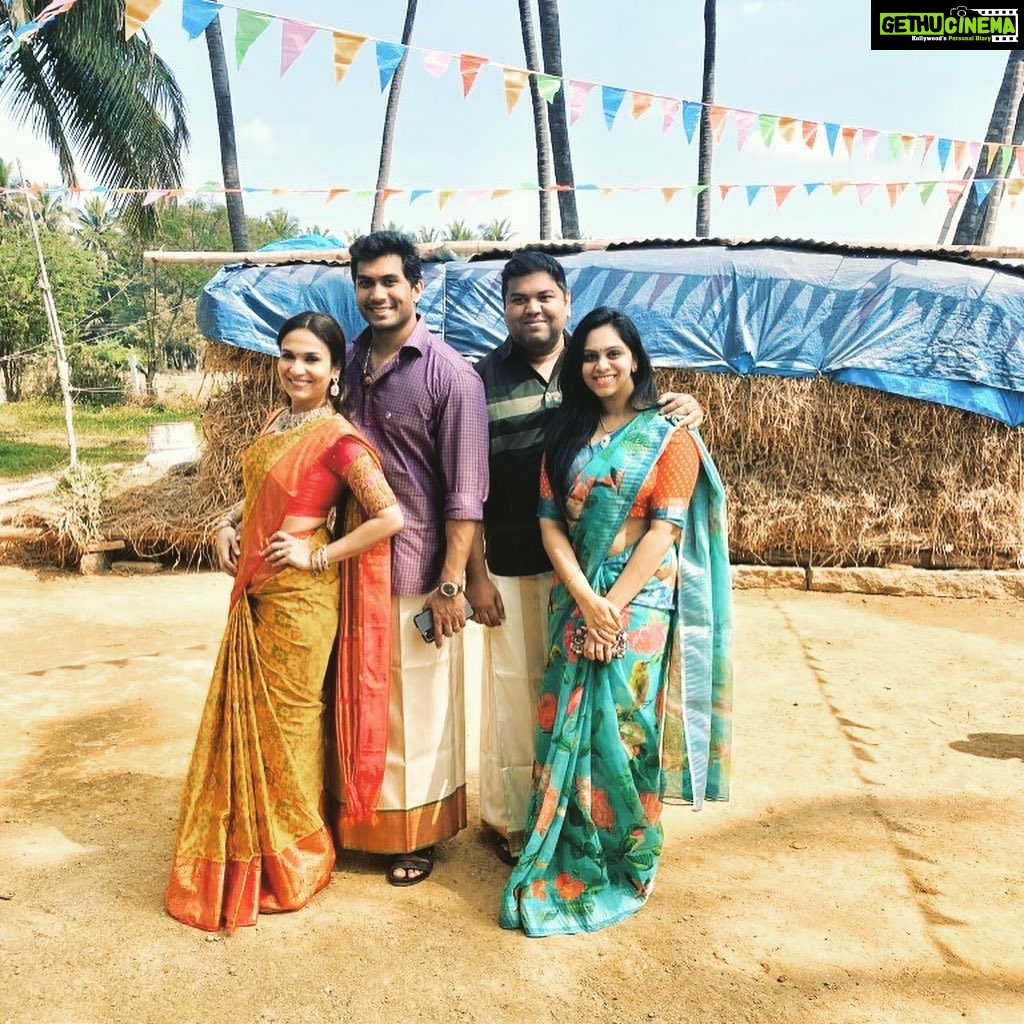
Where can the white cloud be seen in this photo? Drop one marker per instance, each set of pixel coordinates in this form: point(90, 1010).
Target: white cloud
point(260, 135)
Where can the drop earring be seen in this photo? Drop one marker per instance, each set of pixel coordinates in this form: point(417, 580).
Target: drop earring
point(335, 388)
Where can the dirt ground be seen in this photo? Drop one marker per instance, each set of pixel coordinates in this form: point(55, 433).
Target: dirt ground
point(868, 870)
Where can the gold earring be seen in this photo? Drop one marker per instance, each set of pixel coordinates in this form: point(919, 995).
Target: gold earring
point(335, 388)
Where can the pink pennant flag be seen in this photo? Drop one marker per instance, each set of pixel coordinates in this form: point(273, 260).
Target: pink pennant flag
point(1018, 153)
point(787, 128)
point(864, 190)
point(474, 195)
point(436, 62)
point(744, 126)
point(641, 103)
point(868, 140)
point(578, 93)
point(153, 195)
point(895, 189)
point(847, 135)
point(294, 37)
point(781, 192)
point(954, 192)
point(515, 81)
point(136, 13)
point(809, 131)
point(718, 116)
point(929, 141)
point(973, 152)
point(724, 190)
point(669, 113)
point(469, 67)
point(668, 194)
point(346, 46)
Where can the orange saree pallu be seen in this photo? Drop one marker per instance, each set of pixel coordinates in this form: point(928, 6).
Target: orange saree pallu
point(251, 835)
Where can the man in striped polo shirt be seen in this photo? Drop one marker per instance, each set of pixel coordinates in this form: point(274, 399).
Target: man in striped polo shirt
point(508, 586)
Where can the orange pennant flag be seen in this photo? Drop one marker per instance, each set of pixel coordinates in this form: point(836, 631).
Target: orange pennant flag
point(346, 46)
point(848, 135)
point(668, 194)
point(908, 142)
point(959, 149)
point(335, 192)
point(809, 130)
point(469, 66)
point(724, 190)
point(781, 192)
point(895, 190)
point(718, 117)
point(497, 193)
point(641, 103)
point(1013, 189)
point(515, 82)
point(136, 13)
point(787, 128)
point(954, 191)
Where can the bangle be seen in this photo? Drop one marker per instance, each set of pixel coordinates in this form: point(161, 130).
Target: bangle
point(318, 561)
point(223, 523)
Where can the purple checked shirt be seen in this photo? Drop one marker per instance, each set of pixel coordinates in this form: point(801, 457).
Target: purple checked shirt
point(426, 415)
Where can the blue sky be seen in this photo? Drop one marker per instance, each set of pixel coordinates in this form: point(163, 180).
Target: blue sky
point(805, 59)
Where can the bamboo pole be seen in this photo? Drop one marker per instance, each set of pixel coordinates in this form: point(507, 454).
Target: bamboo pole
point(63, 376)
point(454, 250)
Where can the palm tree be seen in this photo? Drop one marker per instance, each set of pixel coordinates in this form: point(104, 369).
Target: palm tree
point(94, 96)
point(706, 142)
point(551, 48)
point(281, 223)
point(977, 222)
point(387, 141)
point(226, 133)
point(95, 224)
point(541, 134)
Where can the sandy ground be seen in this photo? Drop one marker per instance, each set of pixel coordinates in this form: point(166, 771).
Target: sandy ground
point(869, 869)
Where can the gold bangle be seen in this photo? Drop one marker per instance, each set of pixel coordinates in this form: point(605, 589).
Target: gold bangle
point(318, 561)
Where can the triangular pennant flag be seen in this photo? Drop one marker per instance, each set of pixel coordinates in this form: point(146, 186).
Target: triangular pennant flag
point(954, 192)
point(249, 26)
point(908, 142)
point(1005, 160)
point(864, 189)
point(294, 36)
point(346, 46)
point(787, 128)
point(752, 191)
point(973, 153)
point(669, 113)
point(443, 197)
point(943, 148)
point(695, 190)
point(982, 188)
point(196, 15)
point(991, 148)
point(1014, 187)
point(838, 186)
point(333, 193)
point(136, 14)
point(497, 193)
point(515, 82)
point(611, 100)
point(959, 152)
point(766, 123)
point(548, 86)
point(831, 134)
point(668, 194)
point(641, 103)
point(895, 189)
point(868, 139)
point(809, 130)
point(366, 193)
point(718, 116)
point(744, 126)
point(1018, 152)
point(724, 190)
point(926, 188)
point(848, 136)
point(691, 118)
point(436, 62)
point(417, 192)
point(389, 57)
point(781, 192)
point(154, 194)
point(578, 93)
point(810, 186)
point(893, 138)
point(473, 195)
point(469, 67)
point(927, 142)
point(387, 193)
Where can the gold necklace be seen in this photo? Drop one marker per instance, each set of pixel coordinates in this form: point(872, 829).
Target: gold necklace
point(289, 420)
point(606, 440)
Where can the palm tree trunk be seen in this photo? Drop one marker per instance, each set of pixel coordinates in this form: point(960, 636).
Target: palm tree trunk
point(387, 141)
point(226, 130)
point(541, 134)
point(1006, 126)
point(705, 140)
point(551, 48)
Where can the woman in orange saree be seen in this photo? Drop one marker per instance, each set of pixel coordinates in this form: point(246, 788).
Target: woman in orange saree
point(252, 835)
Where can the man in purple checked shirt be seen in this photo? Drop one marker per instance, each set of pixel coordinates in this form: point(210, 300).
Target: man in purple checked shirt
point(422, 405)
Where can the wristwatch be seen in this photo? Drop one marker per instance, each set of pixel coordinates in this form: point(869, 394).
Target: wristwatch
point(449, 589)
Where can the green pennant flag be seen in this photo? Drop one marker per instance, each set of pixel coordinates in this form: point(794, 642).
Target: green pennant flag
point(767, 123)
point(249, 26)
point(548, 86)
point(926, 187)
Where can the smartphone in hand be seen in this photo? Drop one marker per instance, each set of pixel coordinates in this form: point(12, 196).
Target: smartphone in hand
point(424, 622)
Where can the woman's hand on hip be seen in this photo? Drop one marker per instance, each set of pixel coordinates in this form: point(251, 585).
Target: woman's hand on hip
point(285, 550)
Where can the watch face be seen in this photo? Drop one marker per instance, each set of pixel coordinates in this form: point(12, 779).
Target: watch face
point(449, 589)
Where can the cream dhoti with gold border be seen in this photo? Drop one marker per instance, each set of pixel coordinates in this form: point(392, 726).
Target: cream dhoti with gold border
point(423, 798)
point(514, 656)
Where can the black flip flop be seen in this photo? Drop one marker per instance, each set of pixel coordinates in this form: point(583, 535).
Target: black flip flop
point(504, 851)
point(418, 860)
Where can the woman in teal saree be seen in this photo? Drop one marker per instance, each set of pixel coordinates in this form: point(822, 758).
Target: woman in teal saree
point(635, 703)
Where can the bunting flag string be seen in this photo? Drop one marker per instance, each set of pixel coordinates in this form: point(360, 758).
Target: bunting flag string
point(954, 190)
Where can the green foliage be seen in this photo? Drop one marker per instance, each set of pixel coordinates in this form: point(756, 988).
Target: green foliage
point(459, 231)
point(497, 230)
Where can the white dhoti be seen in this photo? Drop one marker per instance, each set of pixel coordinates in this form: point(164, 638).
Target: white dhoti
point(514, 656)
point(423, 798)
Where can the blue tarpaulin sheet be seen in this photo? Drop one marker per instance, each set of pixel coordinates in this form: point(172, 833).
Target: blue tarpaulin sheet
point(941, 330)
